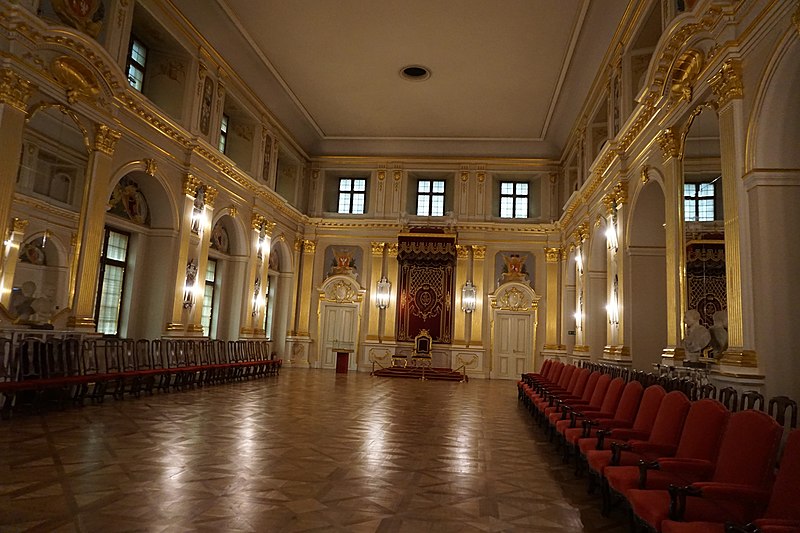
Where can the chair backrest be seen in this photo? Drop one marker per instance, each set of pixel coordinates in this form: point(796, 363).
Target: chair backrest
point(566, 375)
point(670, 418)
point(580, 382)
point(600, 389)
point(573, 378)
point(708, 390)
point(591, 384)
point(751, 399)
point(629, 402)
point(729, 398)
point(556, 373)
point(703, 430)
point(545, 367)
point(613, 395)
point(783, 502)
point(648, 408)
point(422, 342)
point(777, 409)
point(749, 449)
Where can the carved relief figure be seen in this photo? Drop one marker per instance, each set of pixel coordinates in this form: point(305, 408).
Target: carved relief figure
point(696, 336)
point(343, 262)
point(205, 105)
point(514, 268)
point(719, 334)
point(128, 201)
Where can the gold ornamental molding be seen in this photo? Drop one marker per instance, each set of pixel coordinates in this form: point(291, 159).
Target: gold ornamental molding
point(462, 251)
point(392, 249)
point(645, 174)
point(609, 203)
point(257, 222)
point(18, 225)
point(685, 73)
point(150, 167)
point(76, 78)
point(105, 139)
point(309, 247)
point(14, 89)
point(210, 196)
point(478, 252)
point(727, 83)
point(620, 193)
point(552, 255)
point(81, 322)
point(190, 184)
point(195, 328)
point(670, 142)
point(381, 175)
point(377, 248)
point(743, 358)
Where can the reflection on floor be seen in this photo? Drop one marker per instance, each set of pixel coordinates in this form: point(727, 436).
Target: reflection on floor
point(310, 450)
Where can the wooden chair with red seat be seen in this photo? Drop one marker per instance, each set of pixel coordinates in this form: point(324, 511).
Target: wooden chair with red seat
point(624, 415)
point(606, 410)
point(736, 488)
point(560, 386)
point(782, 513)
point(534, 383)
point(575, 389)
point(603, 435)
point(530, 377)
point(699, 442)
point(554, 403)
point(562, 409)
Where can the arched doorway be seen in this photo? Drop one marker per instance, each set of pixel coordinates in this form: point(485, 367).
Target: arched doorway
point(340, 301)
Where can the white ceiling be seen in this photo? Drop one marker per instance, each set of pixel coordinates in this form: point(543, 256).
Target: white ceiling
point(508, 78)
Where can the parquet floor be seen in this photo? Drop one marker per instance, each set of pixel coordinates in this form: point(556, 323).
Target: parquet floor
point(309, 450)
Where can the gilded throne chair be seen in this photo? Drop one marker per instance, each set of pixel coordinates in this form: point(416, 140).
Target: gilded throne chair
point(421, 355)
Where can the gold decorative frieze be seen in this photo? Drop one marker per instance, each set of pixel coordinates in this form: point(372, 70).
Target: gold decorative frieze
point(18, 225)
point(392, 249)
point(190, 184)
point(210, 196)
point(727, 83)
point(150, 167)
point(462, 252)
point(14, 89)
point(478, 252)
point(309, 247)
point(105, 139)
point(670, 142)
point(552, 255)
point(377, 248)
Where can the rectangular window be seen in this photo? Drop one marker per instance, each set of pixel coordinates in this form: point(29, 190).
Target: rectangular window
point(223, 133)
point(137, 57)
point(113, 263)
point(698, 202)
point(352, 196)
point(514, 199)
point(207, 314)
point(430, 198)
point(269, 319)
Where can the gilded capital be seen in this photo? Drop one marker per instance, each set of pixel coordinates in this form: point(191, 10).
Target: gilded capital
point(18, 225)
point(478, 252)
point(377, 248)
point(190, 184)
point(609, 203)
point(481, 177)
point(269, 227)
point(397, 175)
point(552, 255)
point(462, 251)
point(315, 174)
point(105, 139)
point(620, 193)
point(381, 175)
point(211, 196)
point(392, 249)
point(298, 245)
point(14, 90)
point(727, 83)
point(257, 222)
point(464, 175)
point(669, 140)
point(309, 247)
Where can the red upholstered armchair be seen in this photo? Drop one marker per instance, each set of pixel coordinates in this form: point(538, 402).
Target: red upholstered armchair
point(783, 512)
point(566, 386)
point(738, 490)
point(696, 453)
point(606, 408)
point(562, 409)
point(546, 408)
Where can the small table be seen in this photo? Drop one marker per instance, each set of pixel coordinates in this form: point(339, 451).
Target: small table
point(342, 360)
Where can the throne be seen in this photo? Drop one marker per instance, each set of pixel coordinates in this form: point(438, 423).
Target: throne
point(421, 356)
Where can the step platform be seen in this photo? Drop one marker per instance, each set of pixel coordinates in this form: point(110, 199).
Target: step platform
point(413, 372)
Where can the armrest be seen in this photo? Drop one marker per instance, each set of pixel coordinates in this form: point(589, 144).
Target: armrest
point(652, 449)
point(691, 470)
point(628, 434)
point(677, 500)
point(644, 466)
point(616, 451)
point(731, 491)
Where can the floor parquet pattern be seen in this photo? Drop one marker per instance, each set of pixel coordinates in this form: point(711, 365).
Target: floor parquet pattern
point(308, 451)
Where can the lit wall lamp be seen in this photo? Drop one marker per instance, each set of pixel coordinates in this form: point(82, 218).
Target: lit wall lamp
point(469, 297)
point(579, 261)
point(611, 236)
point(198, 219)
point(382, 293)
point(612, 308)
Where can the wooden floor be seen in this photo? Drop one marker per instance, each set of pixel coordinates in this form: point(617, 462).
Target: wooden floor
point(307, 450)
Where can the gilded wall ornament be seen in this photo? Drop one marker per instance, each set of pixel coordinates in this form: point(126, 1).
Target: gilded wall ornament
point(645, 173)
point(211, 196)
point(377, 248)
point(552, 255)
point(105, 139)
point(478, 252)
point(190, 184)
point(392, 249)
point(513, 299)
point(670, 142)
point(397, 175)
point(621, 193)
point(84, 15)
point(462, 252)
point(609, 203)
point(257, 222)
point(309, 247)
point(76, 78)
point(18, 225)
point(381, 175)
point(464, 175)
point(685, 73)
point(727, 83)
point(150, 167)
point(481, 177)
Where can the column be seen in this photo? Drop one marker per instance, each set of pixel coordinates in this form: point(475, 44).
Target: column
point(253, 308)
point(552, 272)
point(14, 94)
point(727, 85)
point(90, 227)
point(376, 270)
point(304, 310)
point(462, 271)
point(392, 274)
point(579, 236)
point(479, 279)
point(674, 238)
point(10, 257)
point(206, 215)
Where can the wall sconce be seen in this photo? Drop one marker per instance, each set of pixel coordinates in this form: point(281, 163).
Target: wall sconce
point(611, 236)
point(382, 293)
point(469, 297)
point(198, 219)
point(612, 308)
point(579, 261)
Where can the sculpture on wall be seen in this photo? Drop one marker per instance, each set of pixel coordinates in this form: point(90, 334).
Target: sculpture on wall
point(514, 268)
point(696, 336)
point(343, 261)
point(128, 201)
point(719, 334)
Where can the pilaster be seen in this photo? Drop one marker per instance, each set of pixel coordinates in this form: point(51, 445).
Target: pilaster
point(552, 340)
point(479, 279)
point(392, 273)
point(376, 270)
point(306, 288)
point(462, 271)
point(10, 257)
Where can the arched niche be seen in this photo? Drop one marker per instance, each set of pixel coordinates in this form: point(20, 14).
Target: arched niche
point(340, 309)
point(515, 317)
point(646, 294)
point(279, 298)
point(39, 293)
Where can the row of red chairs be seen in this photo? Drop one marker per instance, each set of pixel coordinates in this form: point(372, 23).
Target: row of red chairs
point(60, 370)
point(679, 465)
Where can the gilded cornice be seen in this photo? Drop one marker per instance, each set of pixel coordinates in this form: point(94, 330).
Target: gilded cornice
point(478, 252)
point(377, 248)
point(553, 255)
point(727, 83)
point(190, 184)
point(105, 139)
point(40, 205)
point(14, 89)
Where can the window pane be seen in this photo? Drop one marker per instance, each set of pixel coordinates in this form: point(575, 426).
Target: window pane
point(688, 210)
point(211, 270)
point(117, 246)
point(506, 207)
point(706, 189)
point(345, 184)
point(138, 53)
point(110, 297)
point(135, 77)
point(223, 127)
point(359, 185)
point(521, 207)
point(688, 189)
point(205, 315)
point(358, 203)
point(437, 206)
point(506, 188)
point(438, 186)
point(344, 202)
point(423, 205)
point(424, 186)
point(522, 189)
point(705, 209)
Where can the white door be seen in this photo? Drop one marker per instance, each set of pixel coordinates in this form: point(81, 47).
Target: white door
point(339, 329)
point(513, 345)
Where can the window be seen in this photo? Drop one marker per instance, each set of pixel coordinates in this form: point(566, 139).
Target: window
point(113, 263)
point(352, 196)
point(698, 202)
point(137, 57)
point(223, 133)
point(269, 319)
point(430, 198)
point(207, 314)
point(514, 199)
